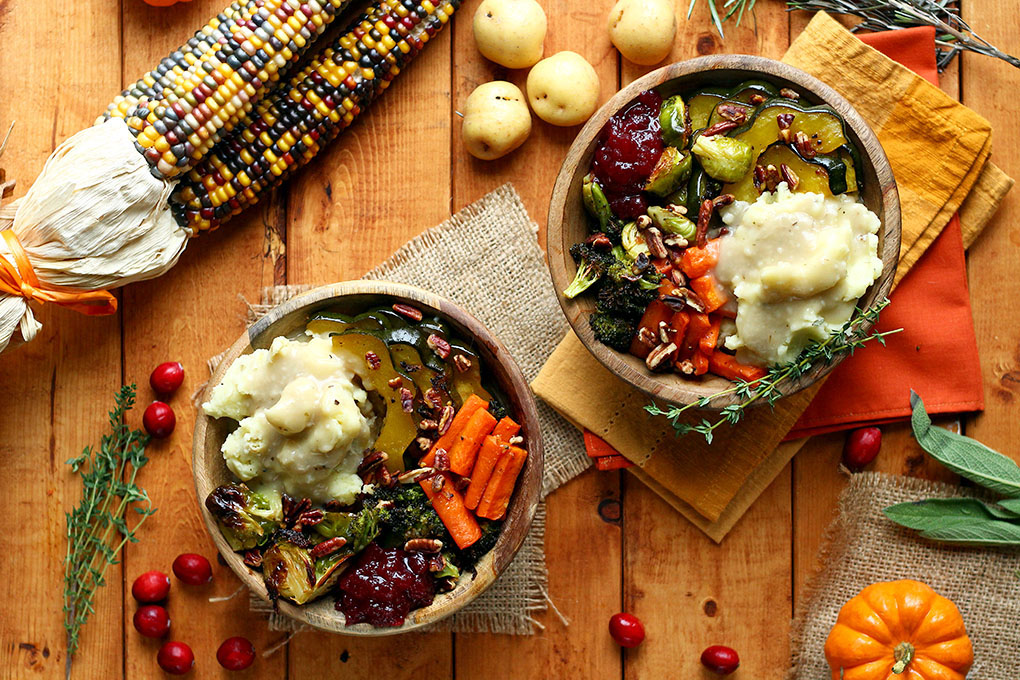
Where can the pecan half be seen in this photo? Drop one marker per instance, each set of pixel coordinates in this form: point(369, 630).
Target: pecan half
point(789, 93)
point(644, 221)
point(723, 199)
point(664, 331)
point(437, 563)
point(428, 424)
point(704, 217)
point(646, 337)
point(372, 461)
point(756, 99)
point(758, 178)
point(373, 360)
point(677, 277)
point(438, 345)
point(772, 177)
point(383, 477)
point(601, 242)
point(784, 120)
point(309, 518)
point(292, 508)
point(686, 367)
point(461, 363)
point(659, 357)
point(425, 545)
point(733, 112)
point(442, 461)
point(395, 382)
point(406, 400)
point(675, 241)
point(253, 558)
point(678, 209)
point(653, 239)
point(407, 311)
point(424, 443)
point(433, 397)
point(719, 128)
point(445, 419)
point(437, 483)
point(327, 547)
point(415, 475)
point(804, 145)
point(789, 176)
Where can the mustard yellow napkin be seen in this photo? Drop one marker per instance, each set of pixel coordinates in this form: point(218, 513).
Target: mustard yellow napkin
point(939, 152)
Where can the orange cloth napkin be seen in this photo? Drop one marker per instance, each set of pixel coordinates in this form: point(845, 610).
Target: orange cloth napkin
point(936, 354)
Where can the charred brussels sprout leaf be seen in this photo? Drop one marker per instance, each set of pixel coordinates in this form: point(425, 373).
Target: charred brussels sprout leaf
point(597, 205)
point(724, 158)
point(670, 172)
point(675, 123)
point(247, 519)
point(292, 573)
point(672, 222)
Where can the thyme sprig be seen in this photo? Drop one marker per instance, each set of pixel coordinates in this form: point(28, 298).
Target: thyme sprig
point(953, 34)
point(97, 529)
point(770, 388)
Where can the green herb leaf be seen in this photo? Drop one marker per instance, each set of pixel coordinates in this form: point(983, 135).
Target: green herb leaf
point(963, 455)
point(1011, 504)
point(977, 532)
point(938, 513)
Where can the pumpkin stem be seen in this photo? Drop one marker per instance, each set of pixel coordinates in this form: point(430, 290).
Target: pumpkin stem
point(904, 654)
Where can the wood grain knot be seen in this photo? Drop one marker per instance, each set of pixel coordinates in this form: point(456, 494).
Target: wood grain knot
point(710, 607)
point(707, 44)
point(611, 511)
point(344, 656)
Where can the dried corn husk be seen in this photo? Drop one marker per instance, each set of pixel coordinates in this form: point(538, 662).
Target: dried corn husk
point(95, 218)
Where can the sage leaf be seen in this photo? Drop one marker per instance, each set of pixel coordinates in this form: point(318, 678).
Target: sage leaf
point(936, 513)
point(977, 532)
point(963, 455)
point(1011, 504)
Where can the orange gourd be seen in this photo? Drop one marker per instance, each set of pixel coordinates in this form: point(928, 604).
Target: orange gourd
point(899, 630)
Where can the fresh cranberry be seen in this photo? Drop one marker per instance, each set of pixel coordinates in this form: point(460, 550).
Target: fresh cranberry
point(152, 586)
point(159, 420)
point(167, 377)
point(152, 621)
point(176, 658)
point(628, 148)
point(236, 653)
point(626, 629)
point(192, 569)
point(720, 659)
point(384, 586)
point(861, 447)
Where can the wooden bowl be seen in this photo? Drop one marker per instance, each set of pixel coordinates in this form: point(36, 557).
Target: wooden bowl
point(568, 223)
point(351, 297)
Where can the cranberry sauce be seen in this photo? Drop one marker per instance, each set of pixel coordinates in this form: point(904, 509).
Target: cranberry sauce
point(628, 148)
point(384, 586)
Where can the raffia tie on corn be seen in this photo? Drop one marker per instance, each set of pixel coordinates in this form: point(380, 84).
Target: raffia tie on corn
point(293, 123)
point(184, 106)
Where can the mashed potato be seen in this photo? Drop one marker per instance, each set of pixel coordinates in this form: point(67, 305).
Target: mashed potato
point(304, 426)
point(796, 263)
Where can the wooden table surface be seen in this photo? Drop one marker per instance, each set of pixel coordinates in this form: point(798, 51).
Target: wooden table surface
point(398, 171)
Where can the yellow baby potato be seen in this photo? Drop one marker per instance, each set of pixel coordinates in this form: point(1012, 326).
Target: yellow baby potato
point(643, 30)
point(510, 32)
point(563, 89)
point(496, 120)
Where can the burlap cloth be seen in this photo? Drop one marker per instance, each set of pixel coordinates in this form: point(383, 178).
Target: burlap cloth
point(861, 547)
point(488, 281)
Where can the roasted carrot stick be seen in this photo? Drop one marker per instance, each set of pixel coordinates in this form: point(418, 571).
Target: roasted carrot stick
point(697, 262)
point(506, 428)
point(449, 505)
point(501, 484)
point(468, 408)
point(616, 462)
point(710, 291)
point(466, 444)
point(710, 339)
point(488, 456)
point(727, 366)
point(597, 447)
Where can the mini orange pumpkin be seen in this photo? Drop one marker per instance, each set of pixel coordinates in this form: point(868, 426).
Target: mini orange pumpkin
point(899, 630)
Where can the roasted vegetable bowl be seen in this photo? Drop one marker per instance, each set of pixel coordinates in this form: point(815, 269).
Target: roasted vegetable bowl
point(715, 220)
point(368, 458)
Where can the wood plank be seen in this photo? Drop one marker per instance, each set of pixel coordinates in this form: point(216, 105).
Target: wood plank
point(382, 182)
point(583, 552)
point(189, 315)
point(989, 87)
point(716, 594)
point(59, 387)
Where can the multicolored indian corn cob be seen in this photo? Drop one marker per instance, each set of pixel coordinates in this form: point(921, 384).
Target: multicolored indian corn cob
point(178, 111)
point(293, 123)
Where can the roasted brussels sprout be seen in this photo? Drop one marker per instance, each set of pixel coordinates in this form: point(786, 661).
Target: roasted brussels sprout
point(670, 172)
point(596, 203)
point(675, 123)
point(672, 222)
point(724, 158)
point(291, 571)
point(247, 519)
point(632, 241)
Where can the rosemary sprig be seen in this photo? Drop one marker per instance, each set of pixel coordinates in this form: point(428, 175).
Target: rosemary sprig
point(97, 529)
point(953, 34)
point(770, 388)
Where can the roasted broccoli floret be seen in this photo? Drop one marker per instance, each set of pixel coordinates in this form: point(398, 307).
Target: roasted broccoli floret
point(592, 263)
point(357, 528)
point(626, 299)
point(639, 271)
point(407, 514)
point(468, 558)
point(247, 519)
point(612, 330)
